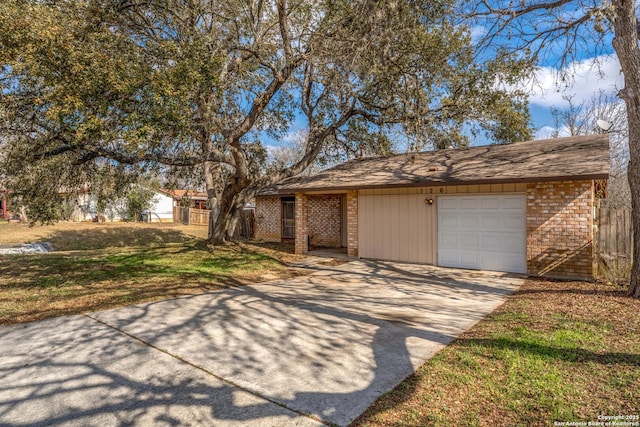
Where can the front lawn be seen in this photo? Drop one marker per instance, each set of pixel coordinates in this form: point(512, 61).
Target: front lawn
point(565, 352)
point(554, 352)
point(99, 266)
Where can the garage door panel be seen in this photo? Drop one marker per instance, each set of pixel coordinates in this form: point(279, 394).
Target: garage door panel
point(469, 259)
point(505, 262)
point(512, 242)
point(448, 240)
point(448, 204)
point(468, 203)
point(450, 222)
point(490, 203)
point(512, 222)
point(491, 223)
point(448, 256)
point(491, 242)
point(468, 222)
point(469, 241)
point(490, 232)
point(514, 202)
point(512, 263)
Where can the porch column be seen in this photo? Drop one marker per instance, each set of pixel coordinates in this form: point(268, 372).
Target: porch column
point(352, 223)
point(302, 224)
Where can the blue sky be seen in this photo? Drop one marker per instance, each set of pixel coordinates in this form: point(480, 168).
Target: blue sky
point(589, 77)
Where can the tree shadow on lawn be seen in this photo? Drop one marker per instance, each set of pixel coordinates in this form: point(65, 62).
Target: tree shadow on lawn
point(565, 354)
point(172, 260)
point(488, 348)
point(329, 351)
point(116, 236)
point(34, 287)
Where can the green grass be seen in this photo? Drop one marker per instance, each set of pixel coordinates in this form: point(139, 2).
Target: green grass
point(555, 351)
point(96, 267)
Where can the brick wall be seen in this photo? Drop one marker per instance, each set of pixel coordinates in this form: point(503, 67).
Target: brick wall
point(352, 223)
point(302, 227)
point(268, 218)
point(560, 229)
point(324, 220)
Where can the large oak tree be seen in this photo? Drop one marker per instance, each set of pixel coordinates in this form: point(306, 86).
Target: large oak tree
point(100, 91)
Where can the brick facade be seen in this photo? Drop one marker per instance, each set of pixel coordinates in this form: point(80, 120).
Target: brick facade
point(352, 223)
point(559, 224)
point(324, 212)
point(560, 229)
point(302, 225)
point(324, 220)
point(268, 218)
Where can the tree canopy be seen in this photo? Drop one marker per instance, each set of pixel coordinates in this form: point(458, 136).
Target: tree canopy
point(109, 89)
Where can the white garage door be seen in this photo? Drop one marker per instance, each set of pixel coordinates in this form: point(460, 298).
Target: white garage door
point(485, 232)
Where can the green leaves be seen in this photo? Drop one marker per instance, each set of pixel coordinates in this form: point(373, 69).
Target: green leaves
point(164, 85)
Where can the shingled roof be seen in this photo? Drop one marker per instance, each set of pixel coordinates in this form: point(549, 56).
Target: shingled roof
point(560, 159)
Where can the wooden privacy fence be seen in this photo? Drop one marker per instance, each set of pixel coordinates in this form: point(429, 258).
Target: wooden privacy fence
point(613, 243)
point(246, 224)
point(191, 216)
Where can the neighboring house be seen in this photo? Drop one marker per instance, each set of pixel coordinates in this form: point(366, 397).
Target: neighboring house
point(161, 209)
point(189, 198)
point(189, 206)
point(525, 207)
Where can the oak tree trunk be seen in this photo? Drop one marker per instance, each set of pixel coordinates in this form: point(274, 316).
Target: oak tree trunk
point(218, 222)
point(625, 44)
point(634, 183)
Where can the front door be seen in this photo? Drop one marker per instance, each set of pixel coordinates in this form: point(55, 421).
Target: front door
point(288, 218)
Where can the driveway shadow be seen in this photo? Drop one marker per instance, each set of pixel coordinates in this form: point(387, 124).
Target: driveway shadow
point(326, 345)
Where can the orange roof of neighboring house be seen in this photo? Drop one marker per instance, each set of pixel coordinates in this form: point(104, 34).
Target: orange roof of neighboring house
point(185, 194)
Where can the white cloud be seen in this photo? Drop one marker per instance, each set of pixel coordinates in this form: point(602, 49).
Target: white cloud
point(546, 132)
point(477, 33)
point(294, 137)
point(584, 79)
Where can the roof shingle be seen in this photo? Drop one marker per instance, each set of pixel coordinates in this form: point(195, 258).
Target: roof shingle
point(577, 157)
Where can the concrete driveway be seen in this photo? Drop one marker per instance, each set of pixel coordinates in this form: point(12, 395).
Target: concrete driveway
point(316, 348)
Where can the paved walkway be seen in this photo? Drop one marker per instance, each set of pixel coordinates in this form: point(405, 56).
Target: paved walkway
point(316, 348)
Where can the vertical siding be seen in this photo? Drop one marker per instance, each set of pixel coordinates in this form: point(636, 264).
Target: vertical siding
point(396, 227)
